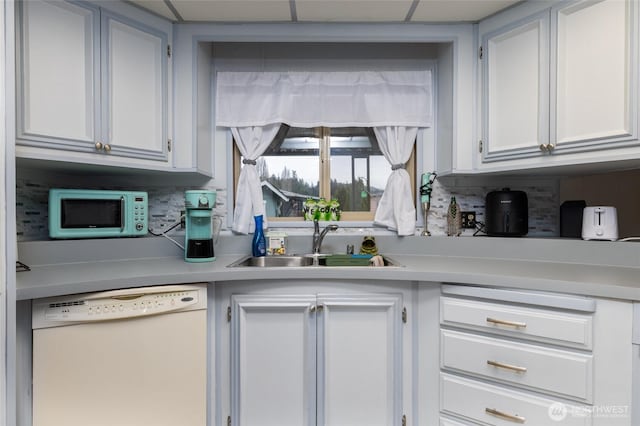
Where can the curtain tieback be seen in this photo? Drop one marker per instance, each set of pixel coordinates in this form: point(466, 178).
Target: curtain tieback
point(252, 162)
point(395, 167)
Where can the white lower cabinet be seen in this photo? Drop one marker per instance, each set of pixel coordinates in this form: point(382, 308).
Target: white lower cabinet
point(313, 358)
point(510, 357)
point(497, 405)
point(543, 369)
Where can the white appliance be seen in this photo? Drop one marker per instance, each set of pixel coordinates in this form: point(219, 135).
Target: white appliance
point(124, 357)
point(600, 223)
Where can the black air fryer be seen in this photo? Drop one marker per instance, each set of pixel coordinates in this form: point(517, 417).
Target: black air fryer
point(507, 213)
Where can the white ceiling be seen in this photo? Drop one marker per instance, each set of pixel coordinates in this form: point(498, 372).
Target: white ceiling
point(325, 10)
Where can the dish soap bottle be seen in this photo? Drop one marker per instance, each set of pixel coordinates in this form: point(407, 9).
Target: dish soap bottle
point(454, 219)
point(259, 243)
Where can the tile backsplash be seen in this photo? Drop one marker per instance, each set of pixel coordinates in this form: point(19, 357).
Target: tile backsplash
point(542, 195)
point(166, 202)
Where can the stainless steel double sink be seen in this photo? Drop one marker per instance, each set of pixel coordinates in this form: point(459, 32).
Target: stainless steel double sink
point(294, 261)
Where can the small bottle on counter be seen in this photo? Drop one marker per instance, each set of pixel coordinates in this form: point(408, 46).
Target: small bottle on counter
point(259, 243)
point(454, 219)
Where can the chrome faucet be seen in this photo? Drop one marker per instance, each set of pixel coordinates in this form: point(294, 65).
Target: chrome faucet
point(319, 236)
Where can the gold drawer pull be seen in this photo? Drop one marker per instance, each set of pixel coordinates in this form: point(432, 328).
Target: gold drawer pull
point(507, 366)
point(509, 323)
point(512, 417)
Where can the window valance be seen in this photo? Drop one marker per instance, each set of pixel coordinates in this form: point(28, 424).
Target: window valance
point(333, 99)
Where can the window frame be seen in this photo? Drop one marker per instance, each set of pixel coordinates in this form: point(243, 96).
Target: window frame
point(324, 157)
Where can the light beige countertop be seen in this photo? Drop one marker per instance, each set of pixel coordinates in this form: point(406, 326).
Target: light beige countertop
point(600, 269)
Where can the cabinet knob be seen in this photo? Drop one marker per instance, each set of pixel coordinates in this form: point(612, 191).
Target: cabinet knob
point(107, 147)
point(550, 147)
point(99, 146)
point(543, 147)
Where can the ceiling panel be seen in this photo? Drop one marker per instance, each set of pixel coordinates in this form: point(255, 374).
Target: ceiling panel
point(325, 10)
point(353, 10)
point(156, 6)
point(233, 10)
point(457, 10)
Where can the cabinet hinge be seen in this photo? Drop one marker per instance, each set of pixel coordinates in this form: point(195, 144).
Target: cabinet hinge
point(404, 420)
point(404, 315)
point(168, 50)
point(480, 146)
point(228, 313)
point(481, 52)
point(169, 145)
point(228, 420)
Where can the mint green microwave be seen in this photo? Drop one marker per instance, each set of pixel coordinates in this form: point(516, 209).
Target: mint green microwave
point(90, 213)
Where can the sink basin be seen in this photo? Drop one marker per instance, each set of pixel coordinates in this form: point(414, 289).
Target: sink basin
point(274, 261)
point(295, 261)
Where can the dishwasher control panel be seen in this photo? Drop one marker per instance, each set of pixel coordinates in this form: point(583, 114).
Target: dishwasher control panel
point(117, 304)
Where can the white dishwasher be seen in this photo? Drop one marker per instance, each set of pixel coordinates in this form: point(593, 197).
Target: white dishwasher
point(124, 357)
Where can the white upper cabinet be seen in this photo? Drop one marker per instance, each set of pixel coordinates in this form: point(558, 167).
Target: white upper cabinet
point(559, 85)
point(135, 61)
point(59, 97)
point(593, 75)
point(516, 87)
point(92, 85)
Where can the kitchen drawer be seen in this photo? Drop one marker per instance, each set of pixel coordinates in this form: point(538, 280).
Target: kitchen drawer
point(474, 400)
point(542, 369)
point(449, 422)
point(544, 325)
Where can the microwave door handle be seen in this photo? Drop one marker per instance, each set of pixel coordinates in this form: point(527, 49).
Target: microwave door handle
point(121, 214)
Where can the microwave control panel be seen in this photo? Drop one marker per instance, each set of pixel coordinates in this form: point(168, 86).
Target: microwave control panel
point(140, 212)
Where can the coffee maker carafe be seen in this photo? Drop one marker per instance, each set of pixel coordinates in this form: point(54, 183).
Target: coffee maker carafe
point(198, 242)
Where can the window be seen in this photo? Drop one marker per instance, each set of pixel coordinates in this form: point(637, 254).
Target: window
point(343, 163)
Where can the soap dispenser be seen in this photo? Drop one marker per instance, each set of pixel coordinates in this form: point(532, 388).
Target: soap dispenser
point(259, 243)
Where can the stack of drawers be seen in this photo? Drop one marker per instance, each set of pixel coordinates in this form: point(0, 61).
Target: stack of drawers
point(508, 363)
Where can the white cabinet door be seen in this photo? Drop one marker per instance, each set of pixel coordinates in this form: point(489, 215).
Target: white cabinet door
point(273, 360)
point(515, 88)
point(58, 91)
point(359, 362)
point(134, 90)
point(593, 74)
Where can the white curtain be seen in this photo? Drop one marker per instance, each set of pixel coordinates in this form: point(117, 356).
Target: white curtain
point(332, 99)
point(395, 103)
point(252, 141)
point(395, 209)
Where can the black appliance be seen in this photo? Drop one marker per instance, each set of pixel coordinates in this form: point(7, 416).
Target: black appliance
point(571, 218)
point(507, 213)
